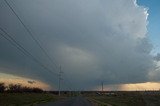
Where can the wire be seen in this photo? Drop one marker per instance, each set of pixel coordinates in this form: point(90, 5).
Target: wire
point(69, 87)
point(23, 50)
point(30, 33)
point(11, 42)
point(69, 83)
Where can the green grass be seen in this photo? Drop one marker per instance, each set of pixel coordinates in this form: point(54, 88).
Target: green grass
point(21, 99)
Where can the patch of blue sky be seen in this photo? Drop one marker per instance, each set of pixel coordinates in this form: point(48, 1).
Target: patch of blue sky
point(154, 22)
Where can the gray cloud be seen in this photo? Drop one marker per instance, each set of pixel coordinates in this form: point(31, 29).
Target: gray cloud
point(93, 40)
point(157, 57)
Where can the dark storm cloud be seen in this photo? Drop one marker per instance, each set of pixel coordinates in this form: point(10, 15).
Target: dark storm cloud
point(93, 40)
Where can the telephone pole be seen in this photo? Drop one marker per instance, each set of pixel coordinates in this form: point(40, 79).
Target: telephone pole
point(102, 85)
point(59, 82)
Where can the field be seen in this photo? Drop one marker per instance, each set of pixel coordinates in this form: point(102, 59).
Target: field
point(25, 99)
point(134, 98)
point(126, 98)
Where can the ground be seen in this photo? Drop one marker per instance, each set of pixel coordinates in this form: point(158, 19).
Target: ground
point(20, 99)
point(136, 98)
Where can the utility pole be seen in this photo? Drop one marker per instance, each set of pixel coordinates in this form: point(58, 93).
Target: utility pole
point(102, 85)
point(59, 82)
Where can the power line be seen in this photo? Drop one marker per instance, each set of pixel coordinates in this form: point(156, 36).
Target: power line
point(35, 40)
point(30, 33)
point(22, 49)
point(59, 81)
point(11, 42)
point(69, 83)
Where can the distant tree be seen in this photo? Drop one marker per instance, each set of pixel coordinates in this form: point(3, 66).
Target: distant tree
point(2, 87)
point(26, 89)
point(37, 90)
point(15, 88)
point(19, 88)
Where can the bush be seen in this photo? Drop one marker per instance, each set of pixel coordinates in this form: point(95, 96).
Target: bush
point(15, 88)
point(2, 87)
point(18, 88)
point(37, 90)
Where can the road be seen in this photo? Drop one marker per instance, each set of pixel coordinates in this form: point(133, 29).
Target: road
point(75, 101)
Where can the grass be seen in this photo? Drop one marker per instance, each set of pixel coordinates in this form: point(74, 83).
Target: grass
point(120, 101)
point(25, 99)
point(126, 100)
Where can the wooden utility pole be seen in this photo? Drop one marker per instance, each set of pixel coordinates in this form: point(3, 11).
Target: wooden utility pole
point(59, 82)
point(102, 85)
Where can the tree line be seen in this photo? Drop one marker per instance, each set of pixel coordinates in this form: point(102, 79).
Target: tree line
point(18, 88)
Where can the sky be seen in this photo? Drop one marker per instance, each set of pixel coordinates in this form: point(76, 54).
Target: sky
point(111, 41)
point(12, 79)
point(153, 19)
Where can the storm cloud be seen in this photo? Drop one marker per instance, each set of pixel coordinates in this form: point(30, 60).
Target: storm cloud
point(93, 41)
point(157, 57)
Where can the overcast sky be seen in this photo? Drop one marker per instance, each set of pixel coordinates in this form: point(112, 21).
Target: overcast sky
point(93, 41)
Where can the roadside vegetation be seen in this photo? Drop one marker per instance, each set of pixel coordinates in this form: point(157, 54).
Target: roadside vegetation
point(18, 88)
point(18, 95)
point(137, 98)
point(25, 99)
